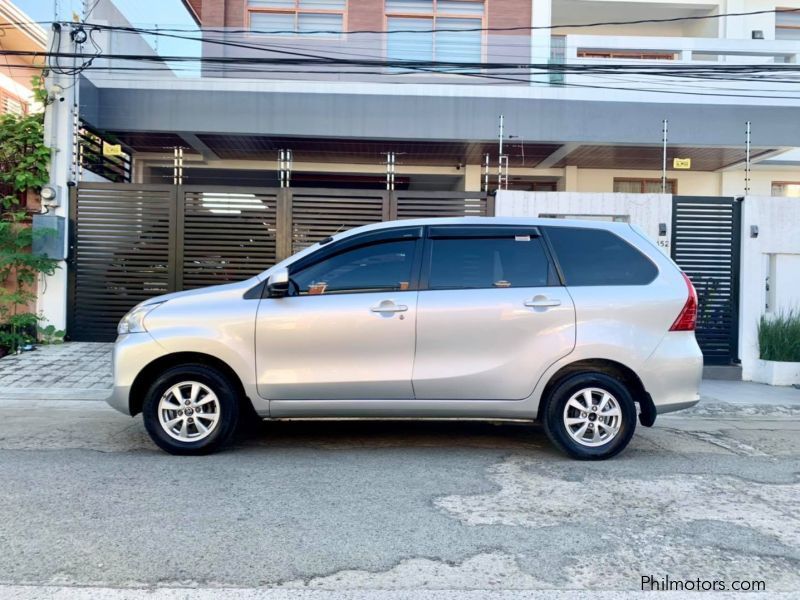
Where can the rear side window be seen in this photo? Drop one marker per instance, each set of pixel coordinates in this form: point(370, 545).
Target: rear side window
point(475, 262)
point(598, 257)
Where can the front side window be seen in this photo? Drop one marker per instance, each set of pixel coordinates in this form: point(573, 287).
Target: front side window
point(378, 267)
point(435, 30)
point(475, 263)
point(598, 257)
point(297, 16)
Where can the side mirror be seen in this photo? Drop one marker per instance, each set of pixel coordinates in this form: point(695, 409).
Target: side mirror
point(278, 284)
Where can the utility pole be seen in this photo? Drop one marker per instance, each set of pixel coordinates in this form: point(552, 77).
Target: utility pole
point(486, 172)
point(285, 167)
point(747, 159)
point(177, 166)
point(390, 170)
point(502, 162)
point(664, 126)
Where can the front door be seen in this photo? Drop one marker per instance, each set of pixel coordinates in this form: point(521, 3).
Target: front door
point(347, 329)
point(491, 315)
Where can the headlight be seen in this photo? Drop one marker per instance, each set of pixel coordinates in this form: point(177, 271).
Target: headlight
point(133, 322)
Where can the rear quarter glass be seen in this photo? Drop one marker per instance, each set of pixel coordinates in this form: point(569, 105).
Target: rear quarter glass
point(594, 257)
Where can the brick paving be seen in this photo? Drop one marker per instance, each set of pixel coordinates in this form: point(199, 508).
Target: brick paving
point(74, 370)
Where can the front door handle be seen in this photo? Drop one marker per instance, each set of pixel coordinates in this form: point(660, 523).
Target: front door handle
point(542, 302)
point(389, 307)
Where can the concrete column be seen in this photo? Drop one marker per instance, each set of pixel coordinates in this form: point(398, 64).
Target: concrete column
point(569, 182)
point(473, 178)
point(59, 136)
point(540, 38)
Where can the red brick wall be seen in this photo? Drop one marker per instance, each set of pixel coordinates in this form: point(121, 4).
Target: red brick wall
point(510, 13)
point(197, 6)
point(365, 15)
point(362, 14)
point(212, 12)
point(235, 13)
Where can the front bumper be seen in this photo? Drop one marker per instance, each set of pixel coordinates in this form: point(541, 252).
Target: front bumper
point(132, 353)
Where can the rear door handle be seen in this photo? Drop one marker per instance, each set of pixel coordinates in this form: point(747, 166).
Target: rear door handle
point(542, 302)
point(389, 307)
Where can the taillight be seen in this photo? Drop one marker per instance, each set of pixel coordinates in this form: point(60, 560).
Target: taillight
point(687, 319)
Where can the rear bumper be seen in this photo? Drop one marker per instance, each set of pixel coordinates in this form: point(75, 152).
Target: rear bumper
point(672, 374)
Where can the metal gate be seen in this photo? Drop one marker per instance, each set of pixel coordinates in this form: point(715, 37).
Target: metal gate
point(706, 234)
point(130, 242)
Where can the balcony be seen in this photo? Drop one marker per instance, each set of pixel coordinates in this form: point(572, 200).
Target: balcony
point(638, 64)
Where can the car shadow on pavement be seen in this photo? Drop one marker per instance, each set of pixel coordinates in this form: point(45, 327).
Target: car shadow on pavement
point(365, 434)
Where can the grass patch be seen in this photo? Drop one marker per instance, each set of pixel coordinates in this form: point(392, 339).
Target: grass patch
point(779, 336)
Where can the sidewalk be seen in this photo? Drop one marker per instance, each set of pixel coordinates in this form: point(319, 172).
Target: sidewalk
point(82, 371)
point(71, 371)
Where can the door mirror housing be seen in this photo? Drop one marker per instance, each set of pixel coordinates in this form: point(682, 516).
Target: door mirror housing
point(278, 284)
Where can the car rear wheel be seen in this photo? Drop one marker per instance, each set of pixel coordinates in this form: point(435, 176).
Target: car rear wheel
point(191, 409)
point(590, 416)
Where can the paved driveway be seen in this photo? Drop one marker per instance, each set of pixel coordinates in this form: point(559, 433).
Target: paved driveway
point(393, 510)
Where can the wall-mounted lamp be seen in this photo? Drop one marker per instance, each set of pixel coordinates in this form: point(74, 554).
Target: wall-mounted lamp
point(753, 231)
point(662, 229)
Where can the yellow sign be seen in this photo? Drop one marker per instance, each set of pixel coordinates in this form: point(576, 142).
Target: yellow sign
point(112, 149)
point(681, 163)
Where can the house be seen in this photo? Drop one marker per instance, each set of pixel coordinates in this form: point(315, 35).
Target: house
point(387, 108)
point(21, 34)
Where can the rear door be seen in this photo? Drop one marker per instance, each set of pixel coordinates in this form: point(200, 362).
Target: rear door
point(492, 314)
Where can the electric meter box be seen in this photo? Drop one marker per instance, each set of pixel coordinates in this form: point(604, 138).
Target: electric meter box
point(48, 236)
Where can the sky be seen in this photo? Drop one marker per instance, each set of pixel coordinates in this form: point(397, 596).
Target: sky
point(138, 12)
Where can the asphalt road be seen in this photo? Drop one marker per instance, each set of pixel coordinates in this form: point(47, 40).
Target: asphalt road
point(91, 509)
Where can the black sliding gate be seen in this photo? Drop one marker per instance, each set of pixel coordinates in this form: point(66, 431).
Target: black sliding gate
point(130, 242)
point(706, 233)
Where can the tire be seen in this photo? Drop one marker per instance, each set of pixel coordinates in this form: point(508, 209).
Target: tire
point(215, 409)
point(607, 433)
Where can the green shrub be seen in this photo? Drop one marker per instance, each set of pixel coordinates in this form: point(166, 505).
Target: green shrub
point(779, 336)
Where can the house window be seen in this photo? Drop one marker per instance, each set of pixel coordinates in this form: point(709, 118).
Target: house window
point(625, 54)
point(789, 189)
point(461, 40)
point(787, 26)
point(12, 105)
point(643, 186)
point(298, 16)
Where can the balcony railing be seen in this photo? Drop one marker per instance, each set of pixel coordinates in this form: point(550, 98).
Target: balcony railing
point(616, 59)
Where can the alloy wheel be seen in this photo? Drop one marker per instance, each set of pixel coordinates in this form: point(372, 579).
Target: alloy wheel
point(189, 411)
point(592, 417)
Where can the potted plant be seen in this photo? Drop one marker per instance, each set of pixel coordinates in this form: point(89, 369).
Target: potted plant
point(779, 349)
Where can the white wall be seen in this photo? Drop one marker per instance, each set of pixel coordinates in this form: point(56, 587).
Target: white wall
point(690, 183)
point(778, 242)
point(643, 210)
point(760, 181)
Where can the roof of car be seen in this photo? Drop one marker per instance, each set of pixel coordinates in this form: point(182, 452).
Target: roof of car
point(529, 221)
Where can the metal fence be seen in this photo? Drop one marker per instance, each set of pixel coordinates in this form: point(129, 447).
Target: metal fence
point(706, 235)
point(130, 242)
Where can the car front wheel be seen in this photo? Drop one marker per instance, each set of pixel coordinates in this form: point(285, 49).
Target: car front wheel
point(590, 416)
point(191, 409)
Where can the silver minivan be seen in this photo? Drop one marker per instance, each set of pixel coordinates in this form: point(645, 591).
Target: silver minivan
point(583, 326)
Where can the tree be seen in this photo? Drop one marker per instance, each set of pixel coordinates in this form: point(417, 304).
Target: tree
point(23, 168)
